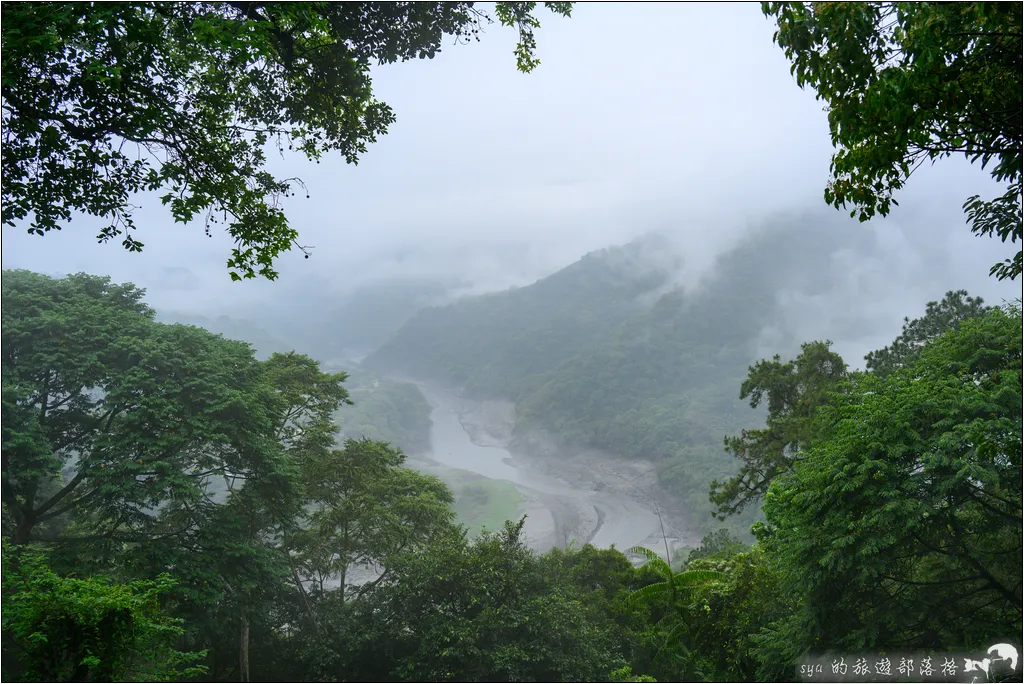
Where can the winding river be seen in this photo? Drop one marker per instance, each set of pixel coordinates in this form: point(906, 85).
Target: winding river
point(616, 519)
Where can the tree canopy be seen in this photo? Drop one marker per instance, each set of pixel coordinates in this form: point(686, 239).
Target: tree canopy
point(103, 100)
point(91, 629)
point(481, 611)
point(796, 391)
point(174, 509)
point(793, 392)
point(909, 82)
point(112, 417)
point(903, 521)
point(940, 317)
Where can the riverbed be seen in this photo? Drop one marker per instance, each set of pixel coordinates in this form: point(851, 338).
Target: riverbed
point(559, 510)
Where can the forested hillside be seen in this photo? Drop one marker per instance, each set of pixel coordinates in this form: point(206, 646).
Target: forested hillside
point(175, 509)
point(614, 353)
point(385, 410)
point(489, 344)
point(182, 506)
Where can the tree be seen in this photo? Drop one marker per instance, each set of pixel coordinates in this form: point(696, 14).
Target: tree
point(232, 575)
point(365, 509)
point(87, 629)
point(480, 611)
point(910, 82)
point(604, 580)
point(309, 399)
point(939, 317)
point(901, 526)
point(102, 101)
point(115, 428)
point(728, 620)
point(669, 593)
point(716, 544)
point(793, 392)
point(236, 570)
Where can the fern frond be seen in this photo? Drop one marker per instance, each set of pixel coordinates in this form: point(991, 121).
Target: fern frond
point(693, 577)
point(649, 594)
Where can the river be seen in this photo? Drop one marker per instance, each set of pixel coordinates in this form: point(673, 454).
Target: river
point(602, 518)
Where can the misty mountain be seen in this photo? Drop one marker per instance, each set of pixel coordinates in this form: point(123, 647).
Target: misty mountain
point(316, 320)
point(385, 410)
point(263, 342)
point(489, 344)
point(622, 307)
point(625, 351)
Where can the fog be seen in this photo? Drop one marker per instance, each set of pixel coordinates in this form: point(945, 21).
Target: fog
point(679, 118)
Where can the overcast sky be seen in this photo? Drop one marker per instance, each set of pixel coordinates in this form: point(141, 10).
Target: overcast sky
point(677, 117)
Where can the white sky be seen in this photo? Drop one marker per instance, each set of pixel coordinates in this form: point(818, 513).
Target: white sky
point(680, 117)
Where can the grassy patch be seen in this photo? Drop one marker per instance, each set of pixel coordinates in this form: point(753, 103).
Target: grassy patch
point(480, 503)
point(485, 504)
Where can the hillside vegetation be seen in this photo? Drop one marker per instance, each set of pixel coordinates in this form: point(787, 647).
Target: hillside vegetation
point(614, 353)
point(385, 410)
point(175, 509)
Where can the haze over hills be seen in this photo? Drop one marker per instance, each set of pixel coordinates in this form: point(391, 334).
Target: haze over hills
point(631, 352)
point(308, 316)
point(637, 350)
point(231, 328)
point(329, 325)
point(490, 343)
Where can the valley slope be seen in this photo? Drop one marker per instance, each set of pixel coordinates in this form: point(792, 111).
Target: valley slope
point(614, 355)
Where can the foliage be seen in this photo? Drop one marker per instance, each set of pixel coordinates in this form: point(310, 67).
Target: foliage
point(117, 420)
point(101, 101)
point(716, 544)
point(625, 674)
point(902, 524)
point(309, 397)
point(793, 392)
point(910, 82)
point(88, 630)
point(939, 317)
point(673, 586)
point(671, 591)
point(732, 613)
point(605, 580)
point(263, 343)
point(459, 611)
point(366, 509)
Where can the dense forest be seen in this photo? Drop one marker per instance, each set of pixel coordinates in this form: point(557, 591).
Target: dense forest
point(612, 353)
point(231, 545)
point(205, 497)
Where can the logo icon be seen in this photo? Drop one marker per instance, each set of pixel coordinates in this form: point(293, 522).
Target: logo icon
point(1003, 652)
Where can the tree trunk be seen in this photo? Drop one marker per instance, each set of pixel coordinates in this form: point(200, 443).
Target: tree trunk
point(23, 531)
point(305, 598)
point(243, 647)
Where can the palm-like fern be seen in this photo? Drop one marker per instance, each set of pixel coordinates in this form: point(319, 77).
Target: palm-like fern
point(674, 586)
point(670, 590)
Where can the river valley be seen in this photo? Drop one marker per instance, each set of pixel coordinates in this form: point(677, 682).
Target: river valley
point(581, 497)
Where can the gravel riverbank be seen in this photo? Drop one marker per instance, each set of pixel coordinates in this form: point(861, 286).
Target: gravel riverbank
point(589, 496)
